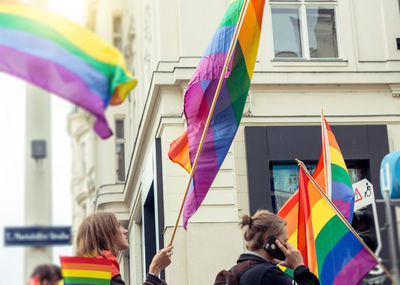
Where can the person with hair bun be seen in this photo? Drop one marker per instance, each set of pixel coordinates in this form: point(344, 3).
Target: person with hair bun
point(263, 268)
point(101, 235)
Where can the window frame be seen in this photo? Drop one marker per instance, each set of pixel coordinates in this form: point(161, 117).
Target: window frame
point(302, 5)
point(120, 141)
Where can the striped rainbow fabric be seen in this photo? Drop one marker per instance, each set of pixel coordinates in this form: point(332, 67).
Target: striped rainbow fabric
point(85, 270)
point(63, 58)
point(339, 187)
point(329, 248)
point(228, 112)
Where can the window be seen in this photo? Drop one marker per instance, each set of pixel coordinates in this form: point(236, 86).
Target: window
point(304, 29)
point(120, 149)
point(117, 31)
point(285, 179)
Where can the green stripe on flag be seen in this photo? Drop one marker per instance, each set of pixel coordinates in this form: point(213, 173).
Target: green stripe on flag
point(341, 175)
point(231, 15)
point(328, 237)
point(85, 280)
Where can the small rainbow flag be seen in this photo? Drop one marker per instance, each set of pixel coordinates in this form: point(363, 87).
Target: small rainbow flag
point(85, 270)
point(63, 58)
point(34, 281)
point(328, 246)
point(229, 108)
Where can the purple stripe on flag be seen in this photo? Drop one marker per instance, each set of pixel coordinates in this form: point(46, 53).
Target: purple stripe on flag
point(343, 198)
point(55, 79)
point(343, 206)
point(43, 48)
point(352, 273)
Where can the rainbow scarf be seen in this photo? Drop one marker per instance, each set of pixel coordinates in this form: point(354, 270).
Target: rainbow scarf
point(85, 270)
point(329, 248)
point(229, 108)
point(63, 58)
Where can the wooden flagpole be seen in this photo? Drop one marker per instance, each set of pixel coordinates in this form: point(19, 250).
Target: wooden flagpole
point(214, 103)
point(323, 127)
point(344, 220)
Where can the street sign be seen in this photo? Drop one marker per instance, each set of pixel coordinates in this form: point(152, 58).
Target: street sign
point(390, 175)
point(363, 194)
point(37, 236)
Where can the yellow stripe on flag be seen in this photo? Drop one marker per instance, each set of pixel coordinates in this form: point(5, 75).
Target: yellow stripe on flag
point(337, 158)
point(321, 213)
point(86, 273)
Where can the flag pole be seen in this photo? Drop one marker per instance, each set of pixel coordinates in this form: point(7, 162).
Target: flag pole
point(344, 220)
point(214, 103)
point(324, 151)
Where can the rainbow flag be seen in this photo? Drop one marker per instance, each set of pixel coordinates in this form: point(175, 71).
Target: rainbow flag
point(63, 58)
point(329, 248)
point(229, 108)
point(34, 281)
point(339, 188)
point(85, 270)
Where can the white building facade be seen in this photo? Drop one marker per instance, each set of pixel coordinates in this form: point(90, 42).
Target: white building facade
point(342, 56)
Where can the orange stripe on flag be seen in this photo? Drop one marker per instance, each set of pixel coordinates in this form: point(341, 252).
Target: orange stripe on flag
point(179, 151)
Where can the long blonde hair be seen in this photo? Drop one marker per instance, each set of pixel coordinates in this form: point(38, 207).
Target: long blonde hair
point(99, 231)
point(262, 223)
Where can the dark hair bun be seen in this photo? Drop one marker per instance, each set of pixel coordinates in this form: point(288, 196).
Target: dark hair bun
point(246, 221)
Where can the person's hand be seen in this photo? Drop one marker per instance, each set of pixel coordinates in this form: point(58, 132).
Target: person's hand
point(161, 260)
point(293, 256)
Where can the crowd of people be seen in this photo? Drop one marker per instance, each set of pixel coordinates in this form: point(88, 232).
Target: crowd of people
point(101, 236)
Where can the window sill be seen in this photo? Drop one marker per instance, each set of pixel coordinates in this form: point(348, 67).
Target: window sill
point(309, 62)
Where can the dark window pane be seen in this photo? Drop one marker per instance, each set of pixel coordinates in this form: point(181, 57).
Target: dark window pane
point(285, 179)
point(119, 129)
point(120, 152)
point(322, 32)
point(287, 35)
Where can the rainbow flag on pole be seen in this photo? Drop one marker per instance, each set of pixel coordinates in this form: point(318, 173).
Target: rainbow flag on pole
point(85, 270)
point(63, 58)
point(329, 248)
point(228, 112)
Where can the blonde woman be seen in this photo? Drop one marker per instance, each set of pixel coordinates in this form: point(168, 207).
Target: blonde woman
point(101, 235)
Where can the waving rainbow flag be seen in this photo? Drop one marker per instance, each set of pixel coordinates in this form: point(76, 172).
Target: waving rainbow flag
point(329, 247)
point(334, 171)
point(85, 270)
point(63, 58)
point(230, 104)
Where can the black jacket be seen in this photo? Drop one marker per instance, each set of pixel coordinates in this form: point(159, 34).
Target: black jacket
point(150, 280)
point(268, 273)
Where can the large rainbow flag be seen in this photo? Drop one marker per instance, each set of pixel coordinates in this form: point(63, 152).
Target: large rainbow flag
point(329, 248)
point(85, 270)
point(229, 108)
point(63, 58)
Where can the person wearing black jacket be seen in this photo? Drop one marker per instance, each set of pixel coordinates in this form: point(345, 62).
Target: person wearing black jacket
point(264, 270)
